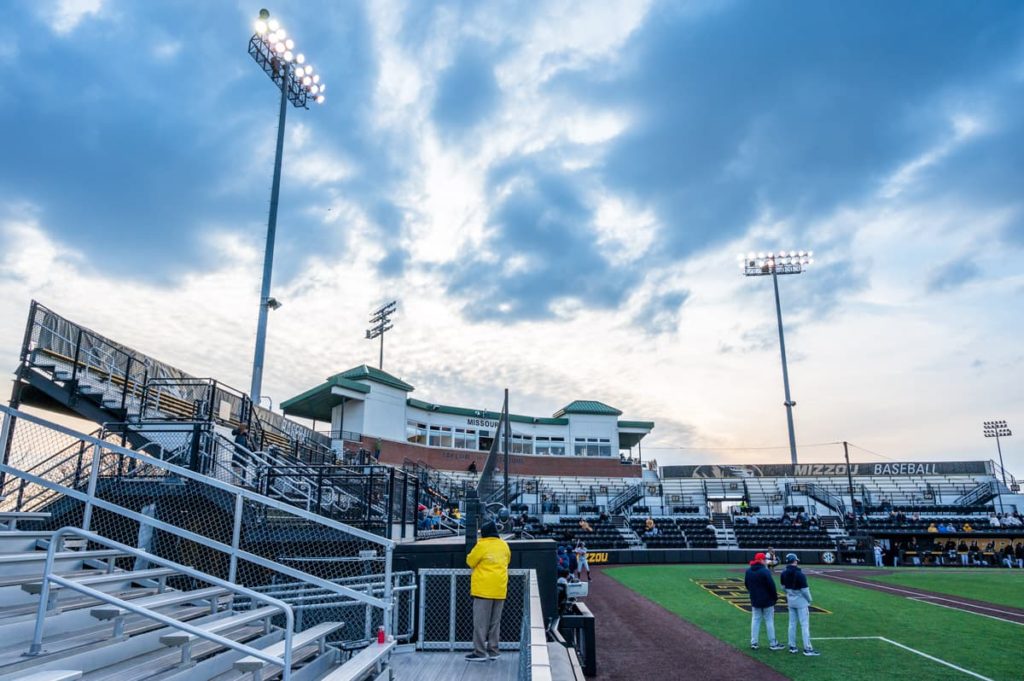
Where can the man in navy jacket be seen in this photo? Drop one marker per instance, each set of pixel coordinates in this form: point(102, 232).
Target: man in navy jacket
point(763, 597)
point(798, 598)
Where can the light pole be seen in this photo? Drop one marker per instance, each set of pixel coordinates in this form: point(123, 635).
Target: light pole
point(273, 50)
point(381, 320)
point(997, 429)
point(774, 264)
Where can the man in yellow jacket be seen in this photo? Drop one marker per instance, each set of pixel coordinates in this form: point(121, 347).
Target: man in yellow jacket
point(489, 561)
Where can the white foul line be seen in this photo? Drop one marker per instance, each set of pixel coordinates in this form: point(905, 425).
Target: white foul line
point(979, 614)
point(915, 596)
point(907, 648)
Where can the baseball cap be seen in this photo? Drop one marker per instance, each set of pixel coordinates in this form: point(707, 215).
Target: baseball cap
point(758, 558)
point(791, 558)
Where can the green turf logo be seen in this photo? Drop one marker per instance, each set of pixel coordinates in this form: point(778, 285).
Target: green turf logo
point(732, 591)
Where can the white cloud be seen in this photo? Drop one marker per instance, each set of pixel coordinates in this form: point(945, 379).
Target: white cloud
point(64, 16)
point(165, 50)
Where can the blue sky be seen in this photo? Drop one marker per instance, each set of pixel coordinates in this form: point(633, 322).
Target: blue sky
point(556, 193)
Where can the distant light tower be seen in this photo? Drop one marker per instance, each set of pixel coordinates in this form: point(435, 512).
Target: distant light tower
point(381, 320)
point(774, 264)
point(272, 49)
point(997, 429)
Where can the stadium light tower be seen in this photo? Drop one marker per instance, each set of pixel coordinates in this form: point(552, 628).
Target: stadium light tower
point(381, 320)
point(997, 429)
point(773, 264)
point(274, 51)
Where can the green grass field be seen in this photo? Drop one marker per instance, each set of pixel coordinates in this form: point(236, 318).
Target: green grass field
point(989, 648)
point(1001, 587)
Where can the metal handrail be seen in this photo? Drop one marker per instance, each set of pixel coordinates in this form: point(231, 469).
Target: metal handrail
point(49, 576)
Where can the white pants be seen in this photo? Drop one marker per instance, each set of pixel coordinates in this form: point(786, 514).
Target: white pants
point(768, 615)
point(878, 560)
point(963, 559)
point(803, 615)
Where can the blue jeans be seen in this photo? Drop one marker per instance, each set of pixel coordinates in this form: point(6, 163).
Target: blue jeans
point(803, 616)
point(768, 615)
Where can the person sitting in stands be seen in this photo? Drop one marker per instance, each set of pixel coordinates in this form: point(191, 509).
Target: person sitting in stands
point(786, 520)
point(962, 550)
point(585, 526)
point(932, 528)
point(994, 521)
point(603, 518)
point(650, 530)
point(752, 520)
point(1018, 554)
point(968, 528)
point(436, 518)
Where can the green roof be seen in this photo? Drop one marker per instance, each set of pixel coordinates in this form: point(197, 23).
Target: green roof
point(368, 373)
point(484, 414)
point(592, 407)
point(644, 425)
point(317, 403)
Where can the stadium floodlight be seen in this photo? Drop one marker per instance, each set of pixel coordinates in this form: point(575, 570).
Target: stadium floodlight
point(772, 264)
point(381, 320)
point(997, 429)
point(271, 47)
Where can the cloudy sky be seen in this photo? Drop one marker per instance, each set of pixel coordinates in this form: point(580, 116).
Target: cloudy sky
point(556, 194)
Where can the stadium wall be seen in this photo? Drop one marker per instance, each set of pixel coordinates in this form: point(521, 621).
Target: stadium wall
point(737, 556)
point(396, 453)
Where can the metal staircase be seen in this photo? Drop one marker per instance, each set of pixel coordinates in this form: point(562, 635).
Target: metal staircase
point(626, 498)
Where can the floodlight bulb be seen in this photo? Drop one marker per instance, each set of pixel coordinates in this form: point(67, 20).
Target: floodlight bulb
point(810, 254)
point(760, 255)
point(281, 35)
point(261, 26)
point(309, 69)
point(316, 78)
point(288, 56)
point(314, 89)
point(323, 87)
point(279, 47)
point(751, 255)
point(273, 24)
point(299, 71)
point(289, 43)
point(320, 99)
point(301, 58)
point(307, 81)
point(811, 261)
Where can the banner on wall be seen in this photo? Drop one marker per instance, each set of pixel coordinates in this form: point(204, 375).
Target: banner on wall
point(890, 469)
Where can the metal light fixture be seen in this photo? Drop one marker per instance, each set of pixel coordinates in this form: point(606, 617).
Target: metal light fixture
point(997, 429)
point(272, 48)
point(381, 320)
point(773, 264)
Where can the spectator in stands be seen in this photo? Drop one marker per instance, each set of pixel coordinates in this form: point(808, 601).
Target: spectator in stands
point(763, 597)
point(650, 529)
point(489, 561)
point(798, 598)
point(786, 520)
point(967, 527)
point(752, 520)
point(472, 467)
point(563, 558)
point(603, 518)
point(1018, 554)
point(878, 563)
point(585, 526)
point(243, 447)
point(962, 550)
point(994, 521)
point(1011, 521)
point(1006, 556)
point(545, 504)
point(932, 528)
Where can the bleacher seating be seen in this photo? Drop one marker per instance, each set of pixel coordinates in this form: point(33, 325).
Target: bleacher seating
point(771, 532)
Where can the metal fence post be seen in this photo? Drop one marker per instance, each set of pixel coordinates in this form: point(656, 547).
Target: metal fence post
point(236, 538)
point(451, 613)
point(94, 475)
point(389, 605)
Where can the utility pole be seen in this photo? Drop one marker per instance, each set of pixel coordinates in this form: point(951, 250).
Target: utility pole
point(381, 321)
point(849, 480)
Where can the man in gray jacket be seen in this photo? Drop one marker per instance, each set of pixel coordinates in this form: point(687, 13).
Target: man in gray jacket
point(798, 598)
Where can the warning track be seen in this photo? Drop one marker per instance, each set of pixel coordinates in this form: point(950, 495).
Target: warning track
point(857, 578)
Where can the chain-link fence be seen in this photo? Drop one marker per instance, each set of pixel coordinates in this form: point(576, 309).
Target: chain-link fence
point(446, 609)
point(175, 513)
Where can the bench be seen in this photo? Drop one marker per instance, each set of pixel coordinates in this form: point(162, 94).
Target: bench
point(35, 588)
point(10, 518)
point(359, 664)
point(53, 675)
point(110, 612)
point(317, 633)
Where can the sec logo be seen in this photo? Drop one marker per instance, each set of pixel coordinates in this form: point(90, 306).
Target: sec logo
point(828, 557)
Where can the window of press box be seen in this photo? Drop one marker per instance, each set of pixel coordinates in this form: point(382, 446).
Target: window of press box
point(465, 438)
point(549, 445)
point(592, 446)
point(416, 432)
point(440, 436)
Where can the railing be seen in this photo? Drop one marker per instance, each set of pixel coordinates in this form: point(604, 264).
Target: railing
point(979, 495)
point(823, 496)
point(626, 498)
point(49, 576)
point(201, 522)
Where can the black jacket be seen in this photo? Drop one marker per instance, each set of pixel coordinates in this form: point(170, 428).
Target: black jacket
point(793, 578)
point(761, 586)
